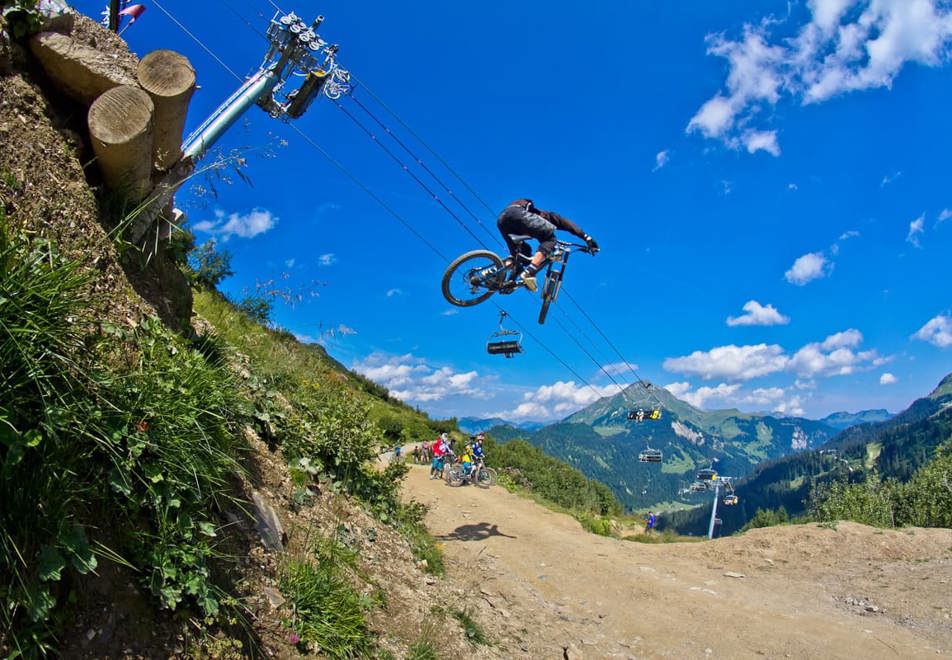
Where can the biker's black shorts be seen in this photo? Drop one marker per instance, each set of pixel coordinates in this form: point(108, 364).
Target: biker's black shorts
point(518, 221)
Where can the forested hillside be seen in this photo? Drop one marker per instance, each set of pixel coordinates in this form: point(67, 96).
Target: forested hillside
point(603, 444)
point(894, 449)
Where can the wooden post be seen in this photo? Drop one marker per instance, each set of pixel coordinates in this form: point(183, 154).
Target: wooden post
point(120, 128)
point(169, 79)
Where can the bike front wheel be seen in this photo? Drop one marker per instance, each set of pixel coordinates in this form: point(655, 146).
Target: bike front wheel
point(486, 477)
point(472, 278)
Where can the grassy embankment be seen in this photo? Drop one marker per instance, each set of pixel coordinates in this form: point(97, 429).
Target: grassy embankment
point(125, 445)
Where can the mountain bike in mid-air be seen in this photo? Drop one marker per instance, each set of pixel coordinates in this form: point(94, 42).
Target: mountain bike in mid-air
point(473, 277)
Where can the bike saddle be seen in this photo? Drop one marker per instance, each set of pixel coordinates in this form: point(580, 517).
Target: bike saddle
point(519, 238)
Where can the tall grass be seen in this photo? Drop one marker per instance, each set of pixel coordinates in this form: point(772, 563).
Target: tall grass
point(132, 426)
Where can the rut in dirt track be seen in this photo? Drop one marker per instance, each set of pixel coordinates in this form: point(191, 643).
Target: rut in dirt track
point(544, 587)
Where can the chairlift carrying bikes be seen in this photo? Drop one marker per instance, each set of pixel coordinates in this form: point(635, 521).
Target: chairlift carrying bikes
point(504, 342)
point(642, 415)
point(475, 276)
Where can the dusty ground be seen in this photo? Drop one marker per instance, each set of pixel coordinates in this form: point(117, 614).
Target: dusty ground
point(545, 588)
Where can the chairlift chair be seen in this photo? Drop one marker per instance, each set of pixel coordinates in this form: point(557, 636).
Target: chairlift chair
point(706, 474)
point(730, 500)
point(504, 342)
point(641, 415)
point(650, 455)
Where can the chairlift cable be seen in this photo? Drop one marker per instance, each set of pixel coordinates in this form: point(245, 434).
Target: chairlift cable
point(383, 204)
point(406, 169)
point(592, 358)
point(197, 40)
point(449, 191)
point(613, 347)
point(426, 168)
point(426, 146)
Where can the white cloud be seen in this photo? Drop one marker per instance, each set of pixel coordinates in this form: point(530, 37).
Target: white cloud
point(916, 228)
point(792, 186)
point(731, 395)
point(847, 45)
point(937, 331)
point(289, 263)
point(410, 378)
point(327, 259)
point(557, 400)
point(837, 355)
point(449, 312)
point(943, 216)
point(661, 159)
point(619, 368)
point(699, 397)
point(394, 292)
point(730, 362)
point(887, 379)
point(807, 268)
point(761, 141)
point(846, 235)
point(345, 330)
point(247, 225)
point(758, 314)
point(834, 356)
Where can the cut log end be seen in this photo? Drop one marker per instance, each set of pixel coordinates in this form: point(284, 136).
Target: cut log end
point(120, 126)
point(120, 115)
point(166, 73)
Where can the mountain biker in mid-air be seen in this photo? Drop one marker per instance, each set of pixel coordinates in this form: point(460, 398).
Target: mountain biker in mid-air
point(522, 218)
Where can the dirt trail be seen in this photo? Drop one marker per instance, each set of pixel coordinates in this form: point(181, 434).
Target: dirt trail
point(542, 587)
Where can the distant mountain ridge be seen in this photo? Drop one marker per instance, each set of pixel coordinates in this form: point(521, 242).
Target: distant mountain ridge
point(894, 448)
point(481, 425)
point(844, 420)
point(600, 441)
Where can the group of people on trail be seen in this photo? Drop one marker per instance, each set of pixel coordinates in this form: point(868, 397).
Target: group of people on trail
point(472, 456)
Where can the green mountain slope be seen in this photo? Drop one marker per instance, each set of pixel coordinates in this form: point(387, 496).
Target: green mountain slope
point(601, 442)
point(895, 448)
point(844, 420)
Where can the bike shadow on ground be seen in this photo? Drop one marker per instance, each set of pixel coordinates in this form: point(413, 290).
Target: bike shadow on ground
point(474, 532)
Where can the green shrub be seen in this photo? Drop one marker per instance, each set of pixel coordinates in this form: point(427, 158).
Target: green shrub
point(870, 502)
point(327, 612)
point(596, 524)
point(474, 633)
point(207, 265)
point(767, 518)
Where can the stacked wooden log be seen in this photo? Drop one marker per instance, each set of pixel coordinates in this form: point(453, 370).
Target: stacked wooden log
point(135, 122)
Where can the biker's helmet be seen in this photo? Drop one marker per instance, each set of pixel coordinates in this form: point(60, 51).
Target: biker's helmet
point(445, 436)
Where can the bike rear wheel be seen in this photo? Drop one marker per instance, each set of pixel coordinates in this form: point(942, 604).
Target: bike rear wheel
point(486, 477)
point(454, 477)
point(472, 278)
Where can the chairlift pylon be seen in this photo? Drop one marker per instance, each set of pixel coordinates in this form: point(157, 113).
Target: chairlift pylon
point(504, 342)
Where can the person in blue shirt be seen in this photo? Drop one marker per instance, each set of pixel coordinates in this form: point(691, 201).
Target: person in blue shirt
point(649, 522)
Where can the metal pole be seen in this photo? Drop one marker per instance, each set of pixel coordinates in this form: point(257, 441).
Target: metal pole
point(205, 136)
point(710, 529)
point(114, 15)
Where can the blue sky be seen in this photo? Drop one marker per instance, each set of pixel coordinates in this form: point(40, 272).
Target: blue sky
point(769, 183)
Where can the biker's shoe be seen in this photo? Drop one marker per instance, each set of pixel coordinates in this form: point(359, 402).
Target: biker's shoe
point(529, 281)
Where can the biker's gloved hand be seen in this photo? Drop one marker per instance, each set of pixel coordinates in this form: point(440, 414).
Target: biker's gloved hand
point(592, 243)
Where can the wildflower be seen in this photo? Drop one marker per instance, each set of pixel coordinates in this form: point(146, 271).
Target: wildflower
point(295, 639)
